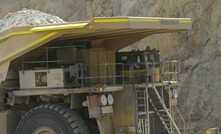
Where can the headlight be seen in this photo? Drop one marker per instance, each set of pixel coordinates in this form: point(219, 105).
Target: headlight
point(103, 100)
point(175, 93)
point(110, 99)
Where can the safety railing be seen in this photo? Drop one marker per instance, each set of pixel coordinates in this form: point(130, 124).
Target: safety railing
point(51, 57)
point(141, 73)
point(170, 71)
point(152, 72)
point(99, 74)
point(119, 73)
point(115, 73)
point(181, 121)
point(178, 117)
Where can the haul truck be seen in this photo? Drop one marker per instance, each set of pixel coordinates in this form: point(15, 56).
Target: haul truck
point(71, 78)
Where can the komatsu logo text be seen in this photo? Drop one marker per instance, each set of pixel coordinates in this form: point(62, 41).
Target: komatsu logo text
point(169, 22)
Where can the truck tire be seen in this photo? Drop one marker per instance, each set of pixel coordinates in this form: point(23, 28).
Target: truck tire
point(51, 119)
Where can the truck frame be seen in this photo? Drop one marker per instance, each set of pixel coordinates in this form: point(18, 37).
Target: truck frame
point(71, 78)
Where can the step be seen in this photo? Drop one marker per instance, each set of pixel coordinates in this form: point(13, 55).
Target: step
point(142, 113)
point(167, 122)
point(161, 110)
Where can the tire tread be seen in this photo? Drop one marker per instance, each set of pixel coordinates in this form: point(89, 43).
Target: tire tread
point(77, 124)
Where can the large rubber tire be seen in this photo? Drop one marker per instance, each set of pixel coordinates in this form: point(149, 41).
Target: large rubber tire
point(53, 119)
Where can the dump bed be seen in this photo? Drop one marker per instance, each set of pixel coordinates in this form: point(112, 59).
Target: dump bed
point(115, 32)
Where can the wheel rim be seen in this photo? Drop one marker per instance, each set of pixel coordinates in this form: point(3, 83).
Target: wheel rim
point(44, 130)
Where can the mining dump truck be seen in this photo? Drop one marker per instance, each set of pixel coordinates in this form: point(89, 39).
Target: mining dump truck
point(71, 78)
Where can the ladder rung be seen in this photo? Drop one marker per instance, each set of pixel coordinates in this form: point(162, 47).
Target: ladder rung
point(165, 119)
point(142, 113)
point(161, 110)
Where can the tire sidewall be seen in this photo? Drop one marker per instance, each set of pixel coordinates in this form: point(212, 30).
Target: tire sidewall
point(44, 117)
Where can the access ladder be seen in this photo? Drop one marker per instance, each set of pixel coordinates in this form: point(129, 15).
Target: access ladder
point(142, 111)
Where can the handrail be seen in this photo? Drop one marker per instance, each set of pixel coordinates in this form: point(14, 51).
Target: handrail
point(181, 116)
point(170, 70)
point(165, 108)
point(179, 113)
point(105, 76)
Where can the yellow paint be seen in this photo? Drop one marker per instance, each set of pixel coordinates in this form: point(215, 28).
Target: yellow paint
point(134, 20)
point(91, 27)
point(144, 20)
point(27, 47)
point(110, 20)
point(46, 28)
point(185, 21)
point(58, 27)
point(15, 33)
point(125, 20)
point(154, 72)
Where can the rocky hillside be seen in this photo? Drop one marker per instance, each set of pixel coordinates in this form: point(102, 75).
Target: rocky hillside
point(199, 50)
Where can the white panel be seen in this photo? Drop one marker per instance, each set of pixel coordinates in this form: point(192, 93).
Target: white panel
point(107, 110)
point(26, 79)
point(53, 78)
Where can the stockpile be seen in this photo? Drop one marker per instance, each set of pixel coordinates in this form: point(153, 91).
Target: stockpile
point(27, 18)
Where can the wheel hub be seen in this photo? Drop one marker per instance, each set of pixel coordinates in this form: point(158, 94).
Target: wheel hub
point(44, 130)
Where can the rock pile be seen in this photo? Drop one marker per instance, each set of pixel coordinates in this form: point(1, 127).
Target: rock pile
point(27, 18)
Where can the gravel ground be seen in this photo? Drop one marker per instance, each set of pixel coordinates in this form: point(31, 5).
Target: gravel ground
point(27, 18)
